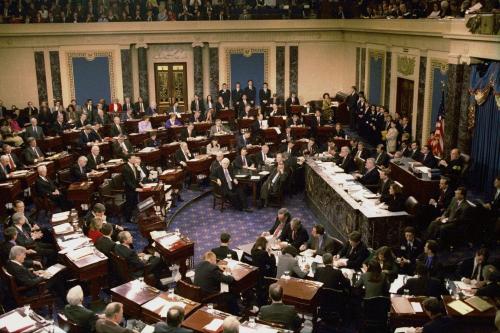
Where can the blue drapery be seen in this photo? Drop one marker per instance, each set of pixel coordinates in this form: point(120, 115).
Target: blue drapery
point(485, 152)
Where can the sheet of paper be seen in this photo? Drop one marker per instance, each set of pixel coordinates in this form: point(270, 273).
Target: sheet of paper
point(460, 307)
point(480, 304)
point(69, 245)
point(15, 322)
point(416, 307)
point(169, 240)
point(54, 269)
point(214, 325)
point(224, 287)
point(63, 228)
point(80, 253)
point(157, 234)
point(405, 330)
point(239, 253)
point(255, 178)
point(264, 173)
point(148, 329)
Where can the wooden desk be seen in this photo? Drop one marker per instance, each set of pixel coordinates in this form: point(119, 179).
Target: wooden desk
point(277, 121)
point(245, 276)
point(342, 143)
point(11, 190)
point(51, 143)
point(132, 125)
point(92, 269)
point(423, 189)
point(174, 132)
point(399, 317)
point(303, 294)
point(196, 145)
point(201, 317)
point(63, 160)
point(137, 139)
point(152, 157)
point(151, 311)
point(475, 321)
point(200, 165)
point(325, 132)
point(202, 127)
point(299, 132)
point(80, 193)
point(248, 181)
point(133, 295)
point(173, 177)
point(226, 115)
point(158, 121)
point(271, 135)
point(245, 123)
point(176, 253)
point(114, 167)
point(167, 152)
point(97, 178)
point(27, 180)
point(71, 137)
point(40, 322)
point(225, 140)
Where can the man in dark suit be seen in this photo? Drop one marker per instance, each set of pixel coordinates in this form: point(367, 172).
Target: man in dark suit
point(45, 187)
point(453, 167)
point(131, 185)
point(236, 95)
point(352, 101)
point(264, 96)
point(261, 157)
point(472, 268)
point(223, 251)
point(250, 92)
point(32, 154)
point(273, 186)
point(430, 259)
point(105, 244)
point(414, 152)
point(491, 285)
point(10, 240)
point(381, 158)
point(188, 132)
point(243, 161)
point(122, 147)
point(208, 276)
point(225, 94)
point(244, 140)
point(298, 235)
point(59, 126)
point(140, 106)
point(294, 120)
point(292, 100)
point(317, 120)
point(345, 161)
point(5, 171)
point(175, 316)
point(86, 136)
point(277, 312)
point(34, 131)
point(153, 140)
point(113, 318)
point(423, 284)
point(26, 114)
point(428, 158)
point(384, 184)
point(84, 318)
point(371, 176)
point(319, 241)
point(14, 162)
point(198, 105)
point(82, 121)
point(220, 105)
point(446, 194)
point(80, 170)
point(230, 188)
point(95, 160)
point(128, 106)
point(330, 277)
point(354, 251)
point(99, 116)
point(410, 249)
point(117, 129)
point(439, 322)
point(182, 155)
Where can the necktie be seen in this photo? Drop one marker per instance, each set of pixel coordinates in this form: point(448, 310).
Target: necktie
point(475, 271)
point(34, 129)
point(11, 163)
point(320, 241)
point(228, 179)
point(260, 124)
point(124, 147)
point(278, 230)
point(378, 156)
point(36, 152)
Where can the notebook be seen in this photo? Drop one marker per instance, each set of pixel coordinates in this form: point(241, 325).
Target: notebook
point(480, 304)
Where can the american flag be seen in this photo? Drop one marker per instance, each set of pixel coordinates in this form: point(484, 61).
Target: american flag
point(439, 131)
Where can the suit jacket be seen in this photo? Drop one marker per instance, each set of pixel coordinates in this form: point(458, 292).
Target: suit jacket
point(79, 123)
point(180, 157)
point(258, 159)
point(457, 212)
point(23, 276)
point(130, 256)
point(326, 244)
point(346, 163)
point(466, 268)
point(226, 96)
point(162, 327)
point(384, 190)
point(434, 265)
point(236, 97)
point(251, 94)
point(44, 187)
point(439, 325)
point(77, 174)
point(382, 159)
point(114, 131)
point(301, 237)
point(82, 317)
point(213, 129)
point(281, 313)
point(429, 161)
point(238, 162)
point(201, 106)
point(371, 177)
point(491, 290)
point(17, 163)
point(106, 326)
point(416, 155)
point(58, 128)
point(289, 103)
point(118, 149)
point(209, 277)
point(265, 262)
point(364, 154)
point(29, 155)
point(105, 245)
point(445, 198)
point(356, 256)
point(92, 162)
point(219, 174)
point(331, 278)
point(85, 138)
point(221, 253)
point(291, 122)
point(30, 132)
point(241, 142)
point(289, 263)
point(315, 123)
point(4, 172)
point(413, 252)
point(423, 286)
point(396, 203)
point(264, 96)
point(130, 178)
point(185, 134)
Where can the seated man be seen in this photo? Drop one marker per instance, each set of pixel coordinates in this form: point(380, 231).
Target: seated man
point(298, 235)
point(491, 285)
point(261, 157)
point(79, 171)
point(218, 128)
point(288, 263)
point(88, 137)
point(244, 140)
point(345, 160)
point(230, 325)
point(471, 270)
point(453, 167)
point(117, 129)
point(423, 284)
point(95, 160)
point(281, 228)
point(14, 162)
point(189, 132)
point(230, 188)
point(34, 131)
point(113, 318)
point(371, 176)
point(354, 251)
point(122, 148)
point(243, 161)
point(384, 185)
point(411, 248)
point(219, 156)
point(84, 318)
point(175, 316)
point(439, 322)
point(10, 240)
point(428, 158)
point(330, 277)
point(32, 154)
point(277, 312)
point(381, 158)
point(319, 241)
point(153, 140)
point(105, 244)
point(430, 259)
point(139, 264)
point(208, 276)
point(273, 186)
point(182, 155)
point(45, 187)
point(223, 251)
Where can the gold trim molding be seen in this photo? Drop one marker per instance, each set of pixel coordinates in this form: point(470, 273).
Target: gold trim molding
point(406, 65)
point(246, 52)
point(442, 65)
point(90, 56)
point(376, 54)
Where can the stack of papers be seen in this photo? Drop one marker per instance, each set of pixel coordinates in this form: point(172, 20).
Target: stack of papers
point(402, 305)
point(72, 244)
point(480, 304)
point(53, 270)
point(80, 253)
point(169, 240)
point(63, 228)
point(214, 325)
point(147, 150)
point(16, 323)
point(460, 307)
point(157, 234)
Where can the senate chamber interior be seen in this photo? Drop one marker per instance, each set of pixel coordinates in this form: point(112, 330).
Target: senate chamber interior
point(251, 166)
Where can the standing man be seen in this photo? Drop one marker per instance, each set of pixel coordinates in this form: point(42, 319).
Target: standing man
point(264, 96)
point(132, 184)
point(225, 94)
point(250, 92)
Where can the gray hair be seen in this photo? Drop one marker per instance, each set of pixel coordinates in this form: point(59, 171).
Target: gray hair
point(40, 168)
point(231, 325)
point(295, 222)
point(4, 158)
point(75, 296)
point(82, 158)
point(17, 217)
point(283, 211)
point(15, 251)
point(112, 309)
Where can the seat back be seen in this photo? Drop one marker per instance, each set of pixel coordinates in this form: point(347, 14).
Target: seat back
point(332, 303)
point(121, 267)
point(272, 324)
point(189, 291)
point(12, 285)
point(117, 181)
point(411, 205)
point(67, 325)
point(375, 312)
point(64, 177)
point(216, 189)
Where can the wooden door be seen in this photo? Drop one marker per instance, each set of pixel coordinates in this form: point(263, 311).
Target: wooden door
point(171, 85)
point(404, 99)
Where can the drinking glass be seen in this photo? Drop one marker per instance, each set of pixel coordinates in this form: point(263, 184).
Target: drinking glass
point(210, 308)
point(251, 321)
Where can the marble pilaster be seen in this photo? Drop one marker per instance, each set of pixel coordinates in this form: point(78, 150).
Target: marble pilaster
point(280, 71)
point(464, 135)
point(420, 101)
point(142, 58)
point(294, 69)
point(387, 94)
point(452, 106)
point(126, 57)
point(363, 70)
point(198, 69)
point(41, 80)
point(358, 59)
point(214, 71)
point(55, 70)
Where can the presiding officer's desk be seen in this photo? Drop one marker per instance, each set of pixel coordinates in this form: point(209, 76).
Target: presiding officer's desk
point(345, 206)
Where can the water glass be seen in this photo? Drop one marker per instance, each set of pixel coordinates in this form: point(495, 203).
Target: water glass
point(287, 274)
point(406, 293)
point(229, 256)
point(251, 321)
point(210, 308)
point(171, 293)
point(177, 232)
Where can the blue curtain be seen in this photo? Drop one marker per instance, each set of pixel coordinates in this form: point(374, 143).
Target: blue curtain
point(92, 79)
point(244, 68)
point(485, 152)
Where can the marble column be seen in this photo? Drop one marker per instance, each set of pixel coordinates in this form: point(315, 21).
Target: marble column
point(142, 58)
point(420, 101)
point(464, 135)
point(214, 71)
point(452, 105)
point(55, 71)
point(280, 71)
point(363, 70)
point(206, 70)
point(126, 56)
point(387, 93)
point(198, 68)
point(294, 69)
point(41, 80)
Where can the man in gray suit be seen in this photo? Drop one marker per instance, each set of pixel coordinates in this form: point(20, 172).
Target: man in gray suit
point(319, 241)
point(113, 317)
point(277, 312)
point(288, 263)
point(34, 131)
point(175, 316)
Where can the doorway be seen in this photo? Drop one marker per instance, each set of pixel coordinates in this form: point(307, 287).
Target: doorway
point(171, 85)
point(404, 98)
